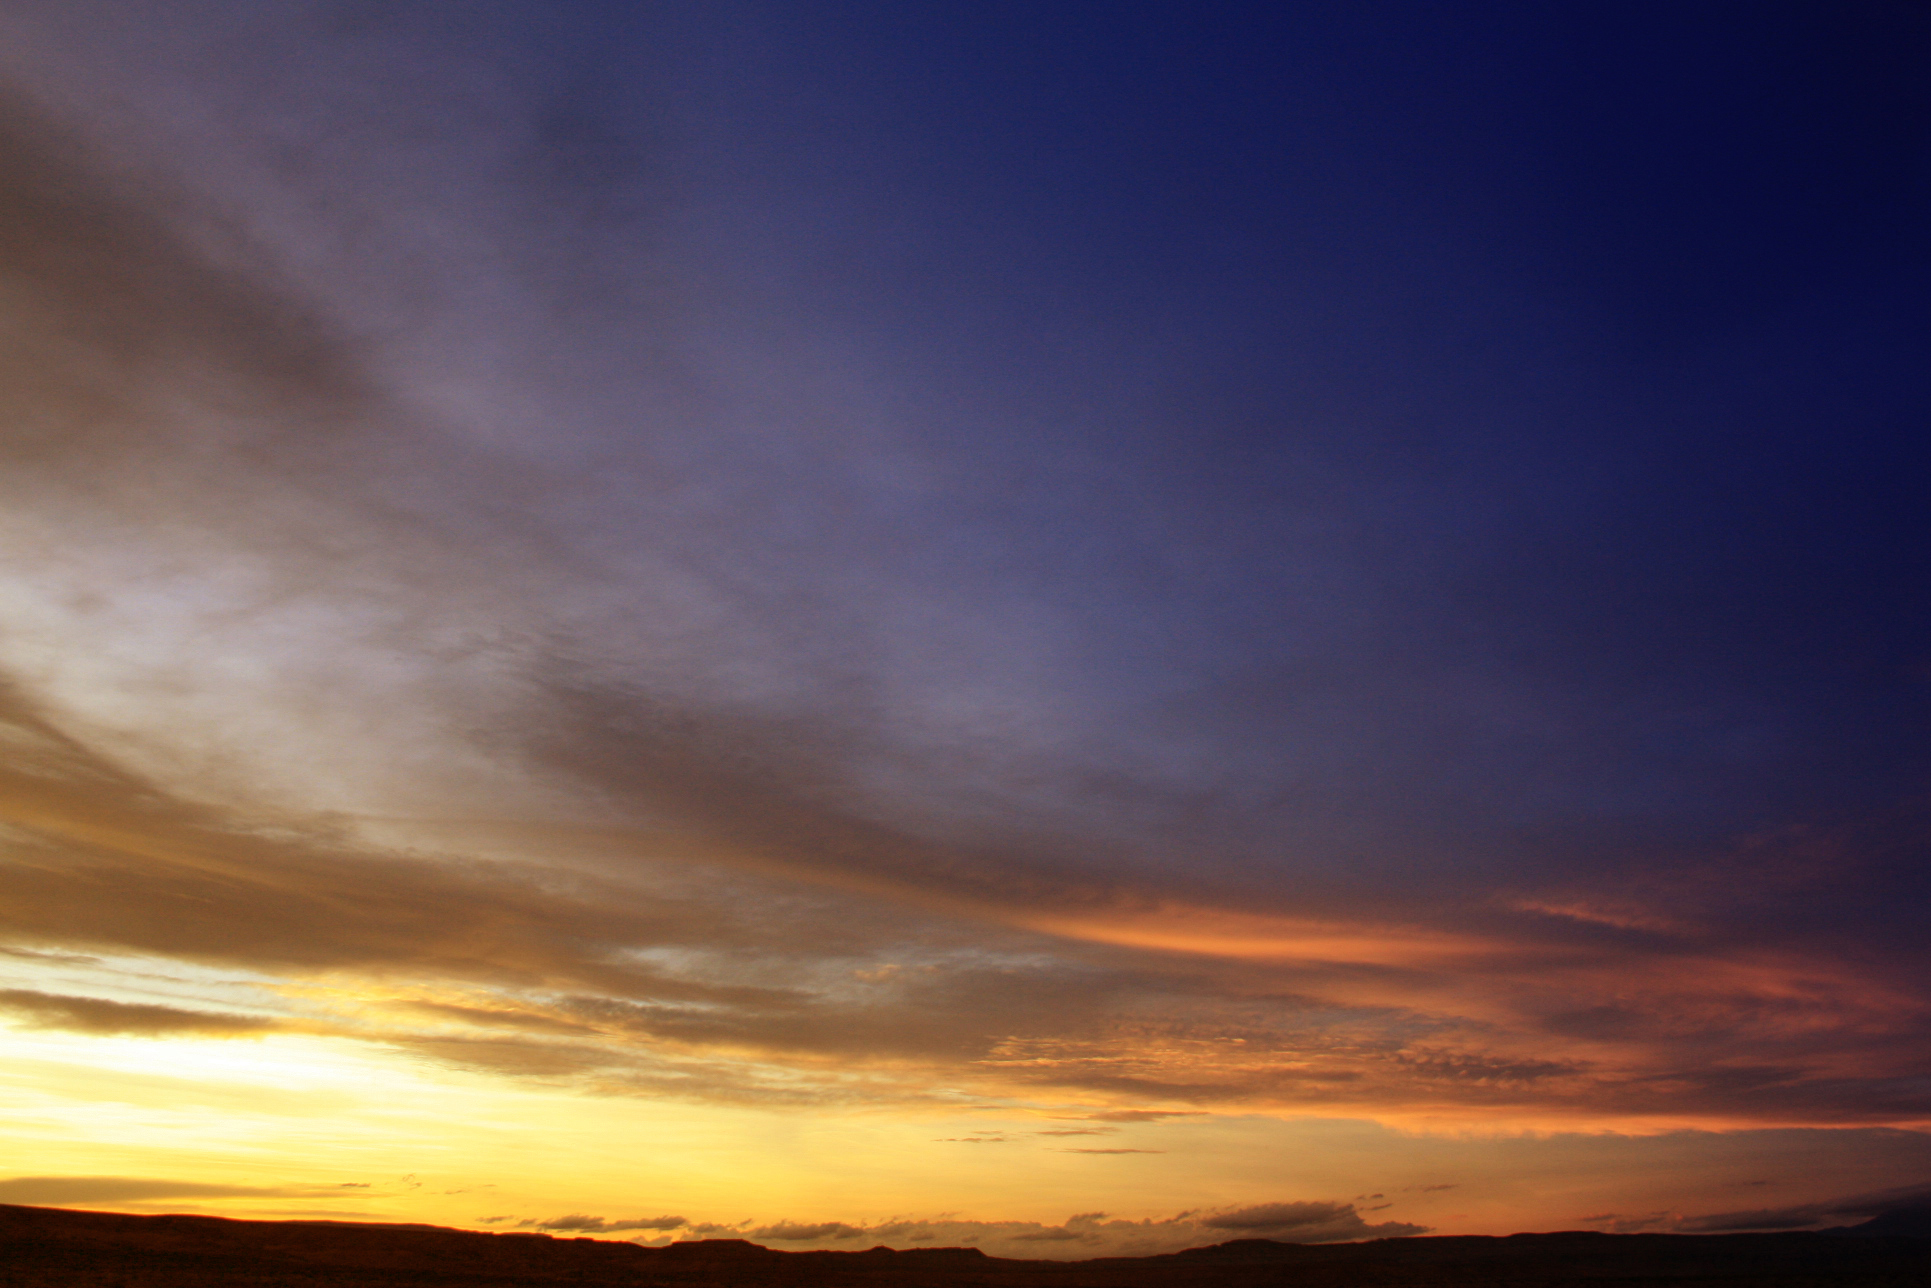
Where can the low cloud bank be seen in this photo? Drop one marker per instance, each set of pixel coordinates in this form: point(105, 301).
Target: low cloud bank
point(1079, 1237)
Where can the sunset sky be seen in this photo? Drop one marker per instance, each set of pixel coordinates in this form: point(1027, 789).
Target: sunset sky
point(1079, 627)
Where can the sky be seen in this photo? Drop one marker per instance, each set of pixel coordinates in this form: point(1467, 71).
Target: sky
point(1076, 628)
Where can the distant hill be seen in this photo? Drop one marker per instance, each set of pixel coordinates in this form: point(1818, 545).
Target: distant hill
point(1905, 1223)
point(45, 1247)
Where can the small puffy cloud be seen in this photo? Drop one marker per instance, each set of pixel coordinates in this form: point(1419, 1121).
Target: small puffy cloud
point(139, 1019)
point(599, 1225)
point(793, 1232)
point(1631, 1223)
point(1305, 1223)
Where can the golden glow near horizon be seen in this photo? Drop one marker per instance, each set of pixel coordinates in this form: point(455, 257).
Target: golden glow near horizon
point(568, 1034)
point(319, 1128)
point(407, 1125)
point(338, 1030)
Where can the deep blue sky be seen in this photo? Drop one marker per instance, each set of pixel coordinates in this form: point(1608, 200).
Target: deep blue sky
point(1460, 438)
point(1409, 365)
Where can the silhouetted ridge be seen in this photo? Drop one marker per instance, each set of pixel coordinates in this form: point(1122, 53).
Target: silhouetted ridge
point(61, 1248)
point(1904, 1223)
point(715, 1249)
point(1245, 1250)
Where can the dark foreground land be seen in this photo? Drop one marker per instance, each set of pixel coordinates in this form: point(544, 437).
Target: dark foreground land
point(48, 1246)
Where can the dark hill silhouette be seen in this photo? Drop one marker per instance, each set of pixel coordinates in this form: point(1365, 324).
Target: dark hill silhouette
point(45, 1247)
point(1905, 1223)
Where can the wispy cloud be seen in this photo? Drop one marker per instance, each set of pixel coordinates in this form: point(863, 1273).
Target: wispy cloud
point(73, 1191)
point(665, 984)
point(99, 1015)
